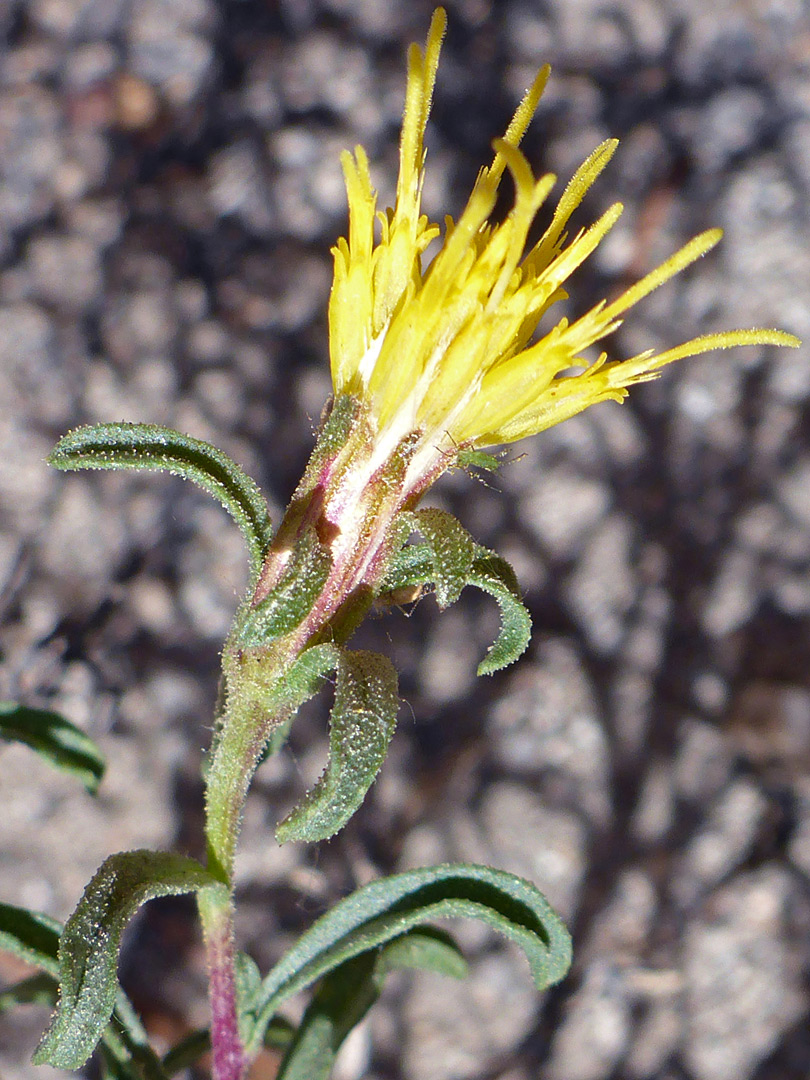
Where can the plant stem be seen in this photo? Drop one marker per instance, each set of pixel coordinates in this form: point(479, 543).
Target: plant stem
point(343, 510)
point(216, 913)
point(241, 737)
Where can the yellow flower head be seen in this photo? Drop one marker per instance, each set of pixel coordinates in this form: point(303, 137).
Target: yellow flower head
point(452, 351)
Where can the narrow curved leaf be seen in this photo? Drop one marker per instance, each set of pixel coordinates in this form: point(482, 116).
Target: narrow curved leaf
point(418, 564)
point(39, 989)
point(386, 909)
point(452, 548)
point(302, 681)
point(342, 1000)
point(411, 566)
point(361, 724)
point(31, 936)
point(423, 949)
point(306, 676)
point(495, 576)
point(347, 993)
point(149, 446)
point(55, 739)
point(88, 948)
point(34, 937)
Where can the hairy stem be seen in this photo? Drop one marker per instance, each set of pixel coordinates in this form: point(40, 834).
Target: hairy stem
point(342, 515)
point(216, 913)
point(243, 733)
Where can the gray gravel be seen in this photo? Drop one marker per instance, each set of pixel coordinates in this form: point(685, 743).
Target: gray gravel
point(169, 190)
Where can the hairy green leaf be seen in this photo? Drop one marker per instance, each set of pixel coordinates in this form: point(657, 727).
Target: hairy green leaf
point(54, 738)
point(346, 994)
point(424, 949)
point(31, 936)
point(305, 676)
point(148, 446)
point(292, 599)
point(452, 548)
point(389, 908)
point(342, 1000)
point(302, 681)
point(412, 565)
point(495, 576)
point(88, 948)
point(360, 728)
point(35, 938)
point(247, 977)
point(39, 989)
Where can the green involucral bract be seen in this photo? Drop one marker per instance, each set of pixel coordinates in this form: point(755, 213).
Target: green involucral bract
point(453, 551)
point(451, 556)
point(292, 599)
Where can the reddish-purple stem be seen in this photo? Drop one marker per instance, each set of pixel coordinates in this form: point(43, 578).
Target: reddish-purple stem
point(228, 1052)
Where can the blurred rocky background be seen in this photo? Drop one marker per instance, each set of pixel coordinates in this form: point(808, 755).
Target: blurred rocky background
point(169, 191)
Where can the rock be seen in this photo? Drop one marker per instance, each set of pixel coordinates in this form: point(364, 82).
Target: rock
point(602, 588)
point(547, 722)
point(655, 1041)
point(799, 848)
point(703, 761)
point(168, 46)
point(734, 594)
point(66, 272)
point(596, 1026)
point(32, 151)
point(72, 19)
point(237, 185)
point(655, 807)
point(562, 509)
point(621, 930)
point(553, 859)
point(743, 982)
point(723, 841)
point(456, 1032)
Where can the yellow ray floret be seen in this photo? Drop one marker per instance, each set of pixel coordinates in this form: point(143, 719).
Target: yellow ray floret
point(453, 351)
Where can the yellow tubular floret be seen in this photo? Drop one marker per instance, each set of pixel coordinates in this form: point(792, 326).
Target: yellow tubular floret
point(575, 191)
point(450, 353)
point(521, 120)
point(640, 368)
point(682, 258)
point(407, 233)
point(584, 245)
point(351, 326)
point(504, 250)
point(418, 99)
